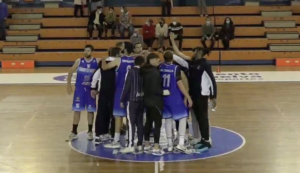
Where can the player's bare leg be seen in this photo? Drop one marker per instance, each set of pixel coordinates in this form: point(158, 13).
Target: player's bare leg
point(76, 119)
point(90, 119)
point(116, 141)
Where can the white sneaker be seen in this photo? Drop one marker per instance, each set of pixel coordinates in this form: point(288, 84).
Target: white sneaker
point(113, 145)
point(127, 150)
point(140, 148)
point(147, 149)
point(158, 152)
point(90, 136)
point(170, 148)
point(105, 137)
point(72, 136)
point(183, 149)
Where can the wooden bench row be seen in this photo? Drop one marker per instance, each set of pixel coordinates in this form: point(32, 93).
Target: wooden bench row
point(187, 43)
point(216, 10)
point(225, 55)
point(139, 21)
point(188, 32)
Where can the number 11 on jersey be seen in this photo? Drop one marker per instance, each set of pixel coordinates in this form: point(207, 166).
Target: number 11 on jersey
point(166, 80)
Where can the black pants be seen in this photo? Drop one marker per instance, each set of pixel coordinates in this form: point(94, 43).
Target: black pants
point(177, 125)
point(225, 43)
point(104, 112)
point(166, 8)
point(200, 107)
point(111, 26)
point(135, 111)
point(91, 29)
point(76, 8)
point(2, 30)
point(203, 39)
point(153, 114)
point(149, 42)
point(179, 39)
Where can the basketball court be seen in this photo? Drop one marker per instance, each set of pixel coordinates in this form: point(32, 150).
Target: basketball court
point(255, 128)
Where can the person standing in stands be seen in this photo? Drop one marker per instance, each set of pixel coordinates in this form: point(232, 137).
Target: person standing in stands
point(203, 89)
point(153, 101)
point(136, 37)
point(166, 6)
point(125, 20)
point(208, 31)
point(202, 8)
point(96, 21)
point(106, 88)
point(227, 32)
point(161, 31)
point(176, 28)
point(3, 16)
point(110, 20)
point(149, 33)
point(78, 5)
point(133, 95)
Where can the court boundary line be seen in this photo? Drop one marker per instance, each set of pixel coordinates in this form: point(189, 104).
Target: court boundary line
point(122, 160)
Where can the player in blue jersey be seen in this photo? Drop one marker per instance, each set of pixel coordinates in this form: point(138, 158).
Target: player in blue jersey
point(82, 101)
point(177, 103)
point(123, 64)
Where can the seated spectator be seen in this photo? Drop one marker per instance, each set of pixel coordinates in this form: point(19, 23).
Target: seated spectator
point(176, 28)
point(227, 32)
point(149, 33)
point(161, 31)
point(125, 22)
point(166, 6)
point(96, 20)
point(136, 37)
point(110, 21)
point(78, 5)
point(3, 17)
point(208, 31)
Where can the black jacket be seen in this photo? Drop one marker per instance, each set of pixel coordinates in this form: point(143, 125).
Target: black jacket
point(152, 86)
point(93, 16)
point(133, 87)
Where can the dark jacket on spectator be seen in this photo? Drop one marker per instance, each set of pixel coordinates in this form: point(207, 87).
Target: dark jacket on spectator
point(227, 31)
point(3, 11)
point(148, 31)
point(177, 29)
point(93, 16)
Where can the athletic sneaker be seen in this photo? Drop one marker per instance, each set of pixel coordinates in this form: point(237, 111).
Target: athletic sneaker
point(194, 141)
point(140, 148)
point(72, 136)
point(97, 140)
point(203, 146)
point(158, 152)
point(105, 137)
point(182, 149)
point(147, 149)
point(90, 136)
point(113, 145)
point(127, 150)
point(170, 148)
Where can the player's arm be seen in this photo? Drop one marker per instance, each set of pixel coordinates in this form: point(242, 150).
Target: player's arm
point(114, 63)
point(209, 76)
point(72, 70)
point(176, 50)
point(185, 81)
point(182, 87)
point(180, 61)
point(96, 80)
point(127, 85)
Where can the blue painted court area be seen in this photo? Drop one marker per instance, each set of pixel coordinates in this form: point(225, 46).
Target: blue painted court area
point(224, 142)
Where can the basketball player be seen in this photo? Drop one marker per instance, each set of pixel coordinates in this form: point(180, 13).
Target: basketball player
point(133, 95)
point(82, 101)
point(177, 103)
point(122, 65)
point(106, 89)
point(203, 88)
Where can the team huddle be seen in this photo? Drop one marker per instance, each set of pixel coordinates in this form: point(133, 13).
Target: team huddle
point(144, 88)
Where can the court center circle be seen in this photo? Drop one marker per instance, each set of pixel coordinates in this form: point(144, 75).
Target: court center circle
point(224, 141)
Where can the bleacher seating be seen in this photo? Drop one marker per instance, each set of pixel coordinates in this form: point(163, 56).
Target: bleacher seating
point(62, 37)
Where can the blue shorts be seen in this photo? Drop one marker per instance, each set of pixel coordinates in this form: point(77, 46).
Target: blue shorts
point(118, 111)
point(175, 112)
point(83, 100)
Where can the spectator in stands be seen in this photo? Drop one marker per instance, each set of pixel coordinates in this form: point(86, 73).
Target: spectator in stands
point(176, 28)
point(3, 16)
point(166, 6)
point(78, 5)
point(136, 37)
point(95, 4)
point(202, 8)
point(125, 22)
point(110, 20)
point(96, 21)
point(227, 32)
point(149, 33)
point(161, 31)
point(208, 31)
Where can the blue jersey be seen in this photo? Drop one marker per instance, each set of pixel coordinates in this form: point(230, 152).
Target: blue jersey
point(169, 74)
point(85, 72)
point(121, 71)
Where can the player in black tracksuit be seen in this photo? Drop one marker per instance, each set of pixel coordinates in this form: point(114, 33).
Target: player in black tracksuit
point(132, 97)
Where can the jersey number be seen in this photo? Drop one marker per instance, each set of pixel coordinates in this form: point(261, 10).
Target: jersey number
point(166, 80)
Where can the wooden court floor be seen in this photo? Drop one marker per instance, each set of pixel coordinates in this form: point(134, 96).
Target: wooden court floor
point(35, 120)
